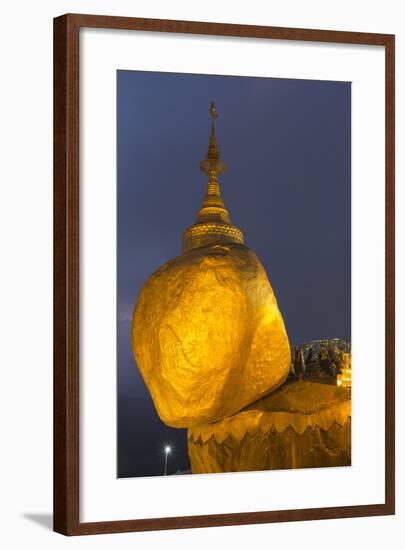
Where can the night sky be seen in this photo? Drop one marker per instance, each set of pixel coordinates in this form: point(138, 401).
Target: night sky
point(287, 146)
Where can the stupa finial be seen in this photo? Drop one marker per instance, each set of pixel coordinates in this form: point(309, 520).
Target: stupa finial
point(213, 224)
point(213, 162)
point(213, 115)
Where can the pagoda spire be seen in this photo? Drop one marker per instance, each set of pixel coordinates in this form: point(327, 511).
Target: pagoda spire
point(213, 161)
point(213, 205)
point(213, 223)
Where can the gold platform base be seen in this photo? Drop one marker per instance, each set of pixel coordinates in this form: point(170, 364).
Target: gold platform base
point(301, 425)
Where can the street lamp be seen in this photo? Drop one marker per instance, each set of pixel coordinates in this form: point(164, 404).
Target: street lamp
point(167, 451)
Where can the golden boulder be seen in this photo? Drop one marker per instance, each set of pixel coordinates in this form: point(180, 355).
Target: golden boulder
point(207, 333)
point(208, 336)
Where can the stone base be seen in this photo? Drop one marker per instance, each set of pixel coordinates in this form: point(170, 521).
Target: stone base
point(301, 425)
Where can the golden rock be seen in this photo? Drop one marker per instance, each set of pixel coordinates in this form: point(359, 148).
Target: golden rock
point(208, 336)
point(300, 425)
point(207, 333)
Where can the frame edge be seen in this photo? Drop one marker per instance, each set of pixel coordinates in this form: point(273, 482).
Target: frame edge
point(66, 281)
point(66, 273)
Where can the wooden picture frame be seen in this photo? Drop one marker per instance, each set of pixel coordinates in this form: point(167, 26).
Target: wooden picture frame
point(67, 284)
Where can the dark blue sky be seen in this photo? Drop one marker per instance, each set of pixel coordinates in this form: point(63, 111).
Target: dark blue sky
point(287, 146)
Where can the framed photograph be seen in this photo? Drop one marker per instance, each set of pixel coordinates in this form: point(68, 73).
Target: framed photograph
point(223, 274)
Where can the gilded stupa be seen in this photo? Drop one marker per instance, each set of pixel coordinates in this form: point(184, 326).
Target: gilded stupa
point(213, 223)
point(207, 333)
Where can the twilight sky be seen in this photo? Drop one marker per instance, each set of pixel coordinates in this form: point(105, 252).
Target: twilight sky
point(287, 147)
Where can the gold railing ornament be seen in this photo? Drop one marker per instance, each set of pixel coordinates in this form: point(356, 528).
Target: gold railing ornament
point(344, 379)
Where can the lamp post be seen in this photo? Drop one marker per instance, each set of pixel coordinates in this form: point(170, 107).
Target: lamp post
point(167, 451)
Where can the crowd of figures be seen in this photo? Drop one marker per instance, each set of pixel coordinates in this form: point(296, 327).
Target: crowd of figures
point(319, 358)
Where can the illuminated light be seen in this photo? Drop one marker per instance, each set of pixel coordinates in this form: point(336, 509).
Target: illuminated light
point(167, 451)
